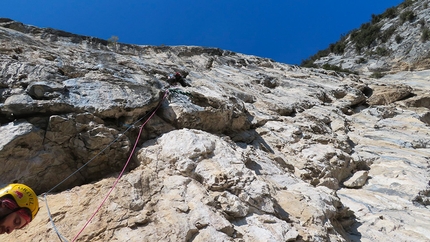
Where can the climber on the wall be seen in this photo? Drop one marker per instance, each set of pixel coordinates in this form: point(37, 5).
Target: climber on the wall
point(173, 79)
point(18, 207)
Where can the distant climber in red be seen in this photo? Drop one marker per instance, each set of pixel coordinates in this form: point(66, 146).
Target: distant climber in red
point(177, 78)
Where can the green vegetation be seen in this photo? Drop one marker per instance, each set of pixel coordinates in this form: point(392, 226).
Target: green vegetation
point(338, 48)
point(386, 35)
point(425, 35)
point(365, 36)
point(382, 51)
point(362, 60)
point(422, 22)
point(399, 39)
point(310, 64)
point(425, 32)
point(377, 75)
point(362, 37)
point(310, 61)
point(337, 69)
point(390, 13)
point(113, 40)
point(407, 16)
point(407, 3)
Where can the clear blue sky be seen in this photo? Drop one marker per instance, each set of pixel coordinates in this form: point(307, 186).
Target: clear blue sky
point(287, 31)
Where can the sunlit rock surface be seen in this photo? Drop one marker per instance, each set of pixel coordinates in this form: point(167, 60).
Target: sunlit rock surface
point(254, 150)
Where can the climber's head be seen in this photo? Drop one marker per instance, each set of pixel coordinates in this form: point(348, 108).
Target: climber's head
point(18, 207)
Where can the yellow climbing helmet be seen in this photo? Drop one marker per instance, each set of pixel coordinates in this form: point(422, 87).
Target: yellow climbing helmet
point(23, 195)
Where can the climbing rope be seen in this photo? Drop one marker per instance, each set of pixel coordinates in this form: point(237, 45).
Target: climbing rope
point(117, 179)
point(52, 221)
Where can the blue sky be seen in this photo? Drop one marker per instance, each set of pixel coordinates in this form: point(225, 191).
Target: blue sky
point(287, 31)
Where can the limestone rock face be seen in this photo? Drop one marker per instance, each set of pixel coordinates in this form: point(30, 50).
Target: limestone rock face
point(357, 180)
point(253, 150)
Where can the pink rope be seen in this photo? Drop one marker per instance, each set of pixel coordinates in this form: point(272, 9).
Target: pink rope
point(123, 169)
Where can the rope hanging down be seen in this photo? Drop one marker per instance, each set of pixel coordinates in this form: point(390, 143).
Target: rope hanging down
point(116, 181)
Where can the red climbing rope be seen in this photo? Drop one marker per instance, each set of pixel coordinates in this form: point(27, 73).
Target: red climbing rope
point(125, 166)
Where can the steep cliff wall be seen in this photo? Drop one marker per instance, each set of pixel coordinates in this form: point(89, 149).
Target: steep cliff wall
point(253, 150)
